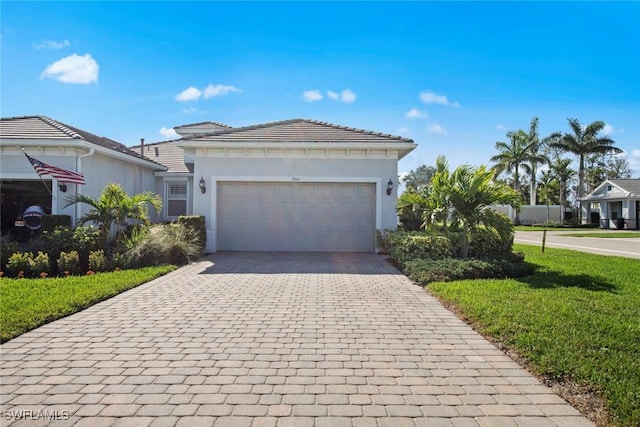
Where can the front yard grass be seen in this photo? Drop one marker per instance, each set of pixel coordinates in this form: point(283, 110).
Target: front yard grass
point(574, 321)
point(26, 304)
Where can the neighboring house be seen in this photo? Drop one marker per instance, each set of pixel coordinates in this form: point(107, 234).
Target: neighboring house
point(100, 159)
point(618, 201)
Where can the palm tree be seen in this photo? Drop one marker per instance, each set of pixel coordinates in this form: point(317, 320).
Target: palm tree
point(115, 208)
point(534, 157)
point(468, 195)
point(583, 142)
point(511, 158)
point(561, 170)
point(548, 183)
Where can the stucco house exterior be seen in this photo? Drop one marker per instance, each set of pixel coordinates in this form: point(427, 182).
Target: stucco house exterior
point(100, 159)
point(618, 202)
point(292, 185)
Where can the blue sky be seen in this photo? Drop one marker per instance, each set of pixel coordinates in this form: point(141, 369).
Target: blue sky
point(453, 76)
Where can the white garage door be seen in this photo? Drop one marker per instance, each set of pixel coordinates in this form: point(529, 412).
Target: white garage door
point(269, 216)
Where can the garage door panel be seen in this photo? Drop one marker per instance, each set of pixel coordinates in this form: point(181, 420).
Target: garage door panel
point(296, 216)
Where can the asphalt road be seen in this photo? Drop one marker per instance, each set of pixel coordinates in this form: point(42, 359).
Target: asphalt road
point(624, 247)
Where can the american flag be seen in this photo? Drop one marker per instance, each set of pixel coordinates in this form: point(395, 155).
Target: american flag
point(62, 175)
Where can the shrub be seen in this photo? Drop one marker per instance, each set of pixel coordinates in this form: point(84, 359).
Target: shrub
point(68, 261)
point(404, 247)
point(7, 248)
point(97, 261)
point(39, 263)
point(159, 244)
point(197, 225)
point(85, 240)
point(19, 261)
point(50, 222)
point(444, 270)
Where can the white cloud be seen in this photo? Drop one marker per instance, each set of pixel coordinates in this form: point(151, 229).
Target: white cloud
point(432, 98)
point(189, 110)
point(501, 127)
point(312, 95)
point(333, 95)
point(189, 94)
point(414, 113)
point(219, 90)
point(608, 129)
point(436, 128)
point(635, 153)
point(404, 130)
point(347, 96)
point(52, 44)
point(168, 132)
point(73, 69)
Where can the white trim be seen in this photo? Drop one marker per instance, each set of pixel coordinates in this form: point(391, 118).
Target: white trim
point(212, 233)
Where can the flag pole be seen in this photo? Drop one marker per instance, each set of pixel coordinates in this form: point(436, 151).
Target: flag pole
point(40, 176)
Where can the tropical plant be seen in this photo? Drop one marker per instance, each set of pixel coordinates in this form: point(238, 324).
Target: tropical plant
point(583, 141)
point(471, 193)
point(115, 208)
point(534, 156)
point(419, 178)
point(512, 157)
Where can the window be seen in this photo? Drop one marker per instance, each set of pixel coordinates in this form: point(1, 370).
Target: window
point(176, 198)
point(608, 188)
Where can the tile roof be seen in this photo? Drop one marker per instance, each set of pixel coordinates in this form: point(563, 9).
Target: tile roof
point(199, 124)
point(630, 185)
point(167, 154)
point(298, 130)
point(43, 127)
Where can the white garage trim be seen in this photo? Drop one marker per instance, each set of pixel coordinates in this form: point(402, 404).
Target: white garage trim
point(212, 234)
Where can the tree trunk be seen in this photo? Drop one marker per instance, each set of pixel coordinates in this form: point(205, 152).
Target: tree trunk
point(532, 187)
point(580, 192)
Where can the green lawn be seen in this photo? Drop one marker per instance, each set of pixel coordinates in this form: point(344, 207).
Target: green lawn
point(26, 304)
point(576, 318)
point(607, 235)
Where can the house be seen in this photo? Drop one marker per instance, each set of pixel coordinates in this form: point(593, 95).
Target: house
point(100, 159)
point(293, 185)
point(618, 201)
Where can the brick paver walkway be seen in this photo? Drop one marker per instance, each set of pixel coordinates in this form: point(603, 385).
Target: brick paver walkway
point(248, 339)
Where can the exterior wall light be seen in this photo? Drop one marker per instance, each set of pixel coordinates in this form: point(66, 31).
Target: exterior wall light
point(62, 187)
point(203, 188)
point(389, 187)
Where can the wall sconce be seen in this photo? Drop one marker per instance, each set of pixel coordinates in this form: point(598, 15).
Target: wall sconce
point(389, 187)
point(62, 187)
point(203, 188)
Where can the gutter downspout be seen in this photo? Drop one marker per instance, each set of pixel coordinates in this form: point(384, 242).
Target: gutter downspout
point(79, 169)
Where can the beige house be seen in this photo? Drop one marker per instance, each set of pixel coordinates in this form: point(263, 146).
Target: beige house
point(293, 185)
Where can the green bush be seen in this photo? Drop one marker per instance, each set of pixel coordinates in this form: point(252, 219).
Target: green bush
point(97, 261)
point(20, 261)
point(425, 271)
point(40, 264)
point(68, 261)
point(197, 225)
point(7, 248)
point(50, 222)
point(404, 247)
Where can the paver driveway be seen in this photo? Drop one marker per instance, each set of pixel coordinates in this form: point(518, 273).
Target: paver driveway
point(251, 339)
